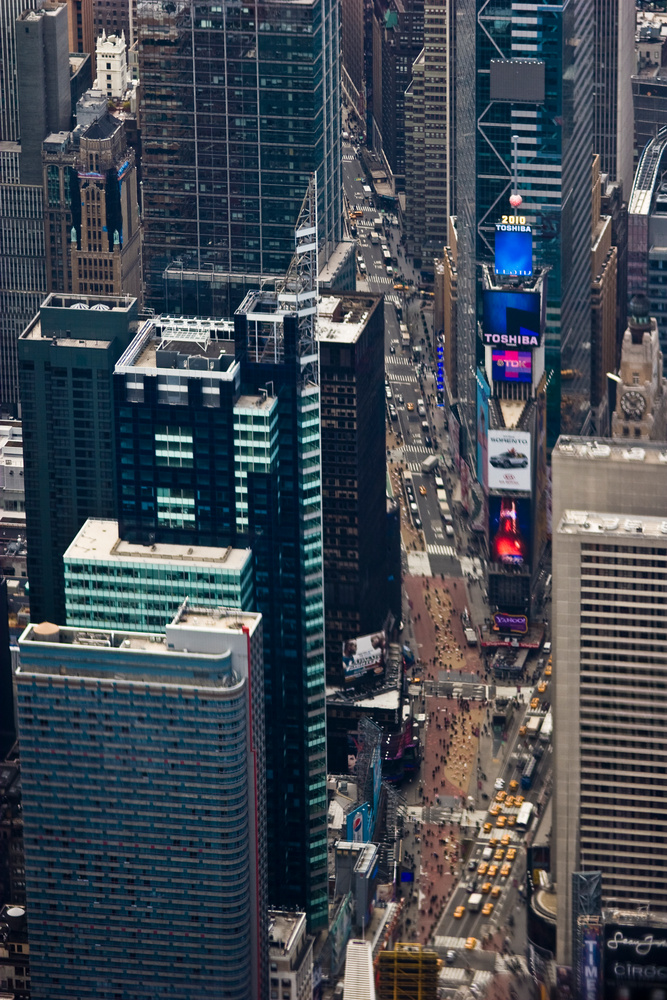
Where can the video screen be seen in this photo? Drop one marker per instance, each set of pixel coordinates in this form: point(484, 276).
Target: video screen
point(497, 304)
point(514, 253)
point(511, 366)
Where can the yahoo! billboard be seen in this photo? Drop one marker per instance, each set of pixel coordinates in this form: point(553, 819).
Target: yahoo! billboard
point(510, 623)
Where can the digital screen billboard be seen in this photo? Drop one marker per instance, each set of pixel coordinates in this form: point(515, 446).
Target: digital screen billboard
point(509, 531)
point(499, 306)
point(634, 961)
point(514, 251)
point(511, 366)
point(509, 460)
point(363, 654)
point(483, 393)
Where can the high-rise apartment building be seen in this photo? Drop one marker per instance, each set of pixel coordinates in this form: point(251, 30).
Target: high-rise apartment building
point(254, 109)
point(66, 361)
point(351, 336)
point(145, 860)
point(116, 16)
point(614, 64)
point(609, 566)
point(647, 233)
point(429, 128)
point(525, 127)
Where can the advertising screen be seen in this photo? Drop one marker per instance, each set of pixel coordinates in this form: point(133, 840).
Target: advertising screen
point(358, 824)
point(496, 307)
point(511, 366)
point(363, 654)
point(514, 251)
point(483, 393)
point(634, 961)
point(509, 460)
point(509, 531)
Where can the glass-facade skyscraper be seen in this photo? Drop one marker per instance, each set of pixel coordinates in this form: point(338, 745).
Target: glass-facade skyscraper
point(142, 769)
point(240, 105)
point(525, 121)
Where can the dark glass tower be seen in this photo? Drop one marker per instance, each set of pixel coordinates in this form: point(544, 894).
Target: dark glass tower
point(531, 92)
point(240, 104)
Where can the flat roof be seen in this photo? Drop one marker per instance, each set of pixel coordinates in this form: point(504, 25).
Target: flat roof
point(343, 318)
point(98, 541)
point(160, 340)
point(256, 403)
point(611, 450)
point(284, 928)
point(629, 528)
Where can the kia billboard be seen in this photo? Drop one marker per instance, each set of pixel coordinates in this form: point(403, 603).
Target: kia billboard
point(509, 460)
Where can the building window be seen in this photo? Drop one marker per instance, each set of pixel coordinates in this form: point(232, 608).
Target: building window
point(173, 446)
point(175, 508)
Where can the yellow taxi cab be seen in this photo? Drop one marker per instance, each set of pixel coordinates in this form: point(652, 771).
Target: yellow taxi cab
point(488, 827)
point(501, 796)
point(410, 407)
point(493, 841)
point(542, 686)
point(522, 730)
point(471, 943)
point(356, 215)
point(506, 839)
point(493, 871)
point(534, 703)
point(511, 821)
point(486, 887)
point(518, 800)
point(495, 809)
point(487, 909)
point(501, 821)
point(499, 855)
point(483, 868)
point(505, 870)
point(458, 912)
point(514, 784)
point(511, 854)
point(422, 490)
point(495, 892)
point(547, 670)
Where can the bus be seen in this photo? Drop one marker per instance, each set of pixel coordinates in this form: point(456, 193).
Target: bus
point(528, 774)
point(525, 815)
point(386, 255)
point(547, 727)
point(405, 336)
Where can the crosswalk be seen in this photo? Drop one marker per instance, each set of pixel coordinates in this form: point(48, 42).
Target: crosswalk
point(404, 379)
point(348, 158)
point(448, 941)
point(440, 550)
point(417, 449)
point(396, 359)
point(415, 466)
point(394, 299)
point(380, 279)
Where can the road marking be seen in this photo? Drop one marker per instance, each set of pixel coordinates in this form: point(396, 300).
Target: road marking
point(394, 299)
point(396, 359)
point(403, 379)
point(440, 550)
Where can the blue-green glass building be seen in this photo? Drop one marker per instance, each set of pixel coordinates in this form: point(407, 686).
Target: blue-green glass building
point(142, 768)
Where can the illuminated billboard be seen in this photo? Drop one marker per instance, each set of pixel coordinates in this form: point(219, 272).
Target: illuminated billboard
point(511, 366)
point(501, 324)
point(514, 250)
point(509, 531)
point(634, 961)
point(363, 654)
point(483, 393)
point(509, 461)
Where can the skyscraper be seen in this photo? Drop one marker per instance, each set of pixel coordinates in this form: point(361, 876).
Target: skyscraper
point(253, 99)
point(614, 64)
point(66, 360)
point(609, 566)
point(525, 127)
point(145, 860)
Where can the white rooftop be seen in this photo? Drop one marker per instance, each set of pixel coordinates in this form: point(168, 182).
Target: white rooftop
point(584, 522)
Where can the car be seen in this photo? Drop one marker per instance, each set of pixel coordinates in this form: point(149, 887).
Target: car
point(414, 508)
point(410, 407)
point(487, 909)
point(471, 943)
point(390, 270)
point(511, 854)
point(547, 670)
point(362, 266)
point(514, 784)
point(449, 531)
point(542, 686)
point(488, 827)
point(450, 957)
point(502, 820)
point(427, 441)
point(422, 490)
point(493, 841)
point(495, 892)
point(501, 796)
point(400, 399)
point(392, 349)
point(499, 784)
point(518, 800)
point(471, 865)
point(499, 855)
point(418, 522)
point(506, 838)
point(458, 912)
point(393, 413)
point(509, 801)
point(493, 871)
point(511, 820)
point(483, 868)
point(486, 887)
point(494, 810)
point(510, 459)
point(522, 730)
point(505, 870)
point(387, 391)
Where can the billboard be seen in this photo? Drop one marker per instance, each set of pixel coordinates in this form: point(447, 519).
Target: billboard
point(511, 366)
point(509, 460)
point(363, 654)
point(483, 393)
point(514, 250)
point(510, 623)
point(634, 961)
point(496, 331)
point(509, 531)
point(358, 824)
point(454, 440)
point(590, 964)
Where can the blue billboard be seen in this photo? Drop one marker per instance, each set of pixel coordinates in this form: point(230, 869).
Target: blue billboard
point(496, 305)
point(483, 393)
point(358, 828)
point(514, 251)
point(511, 366)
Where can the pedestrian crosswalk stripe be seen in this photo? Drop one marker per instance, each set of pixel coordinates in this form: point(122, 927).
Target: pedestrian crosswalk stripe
point(396, 359)
point(405, 379)
point(417, 449)
point(447, 941)
point(415, 466)
point(394, 299)
point(440, 550)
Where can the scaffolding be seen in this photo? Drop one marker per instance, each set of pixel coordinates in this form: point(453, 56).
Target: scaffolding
point(408, 972)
